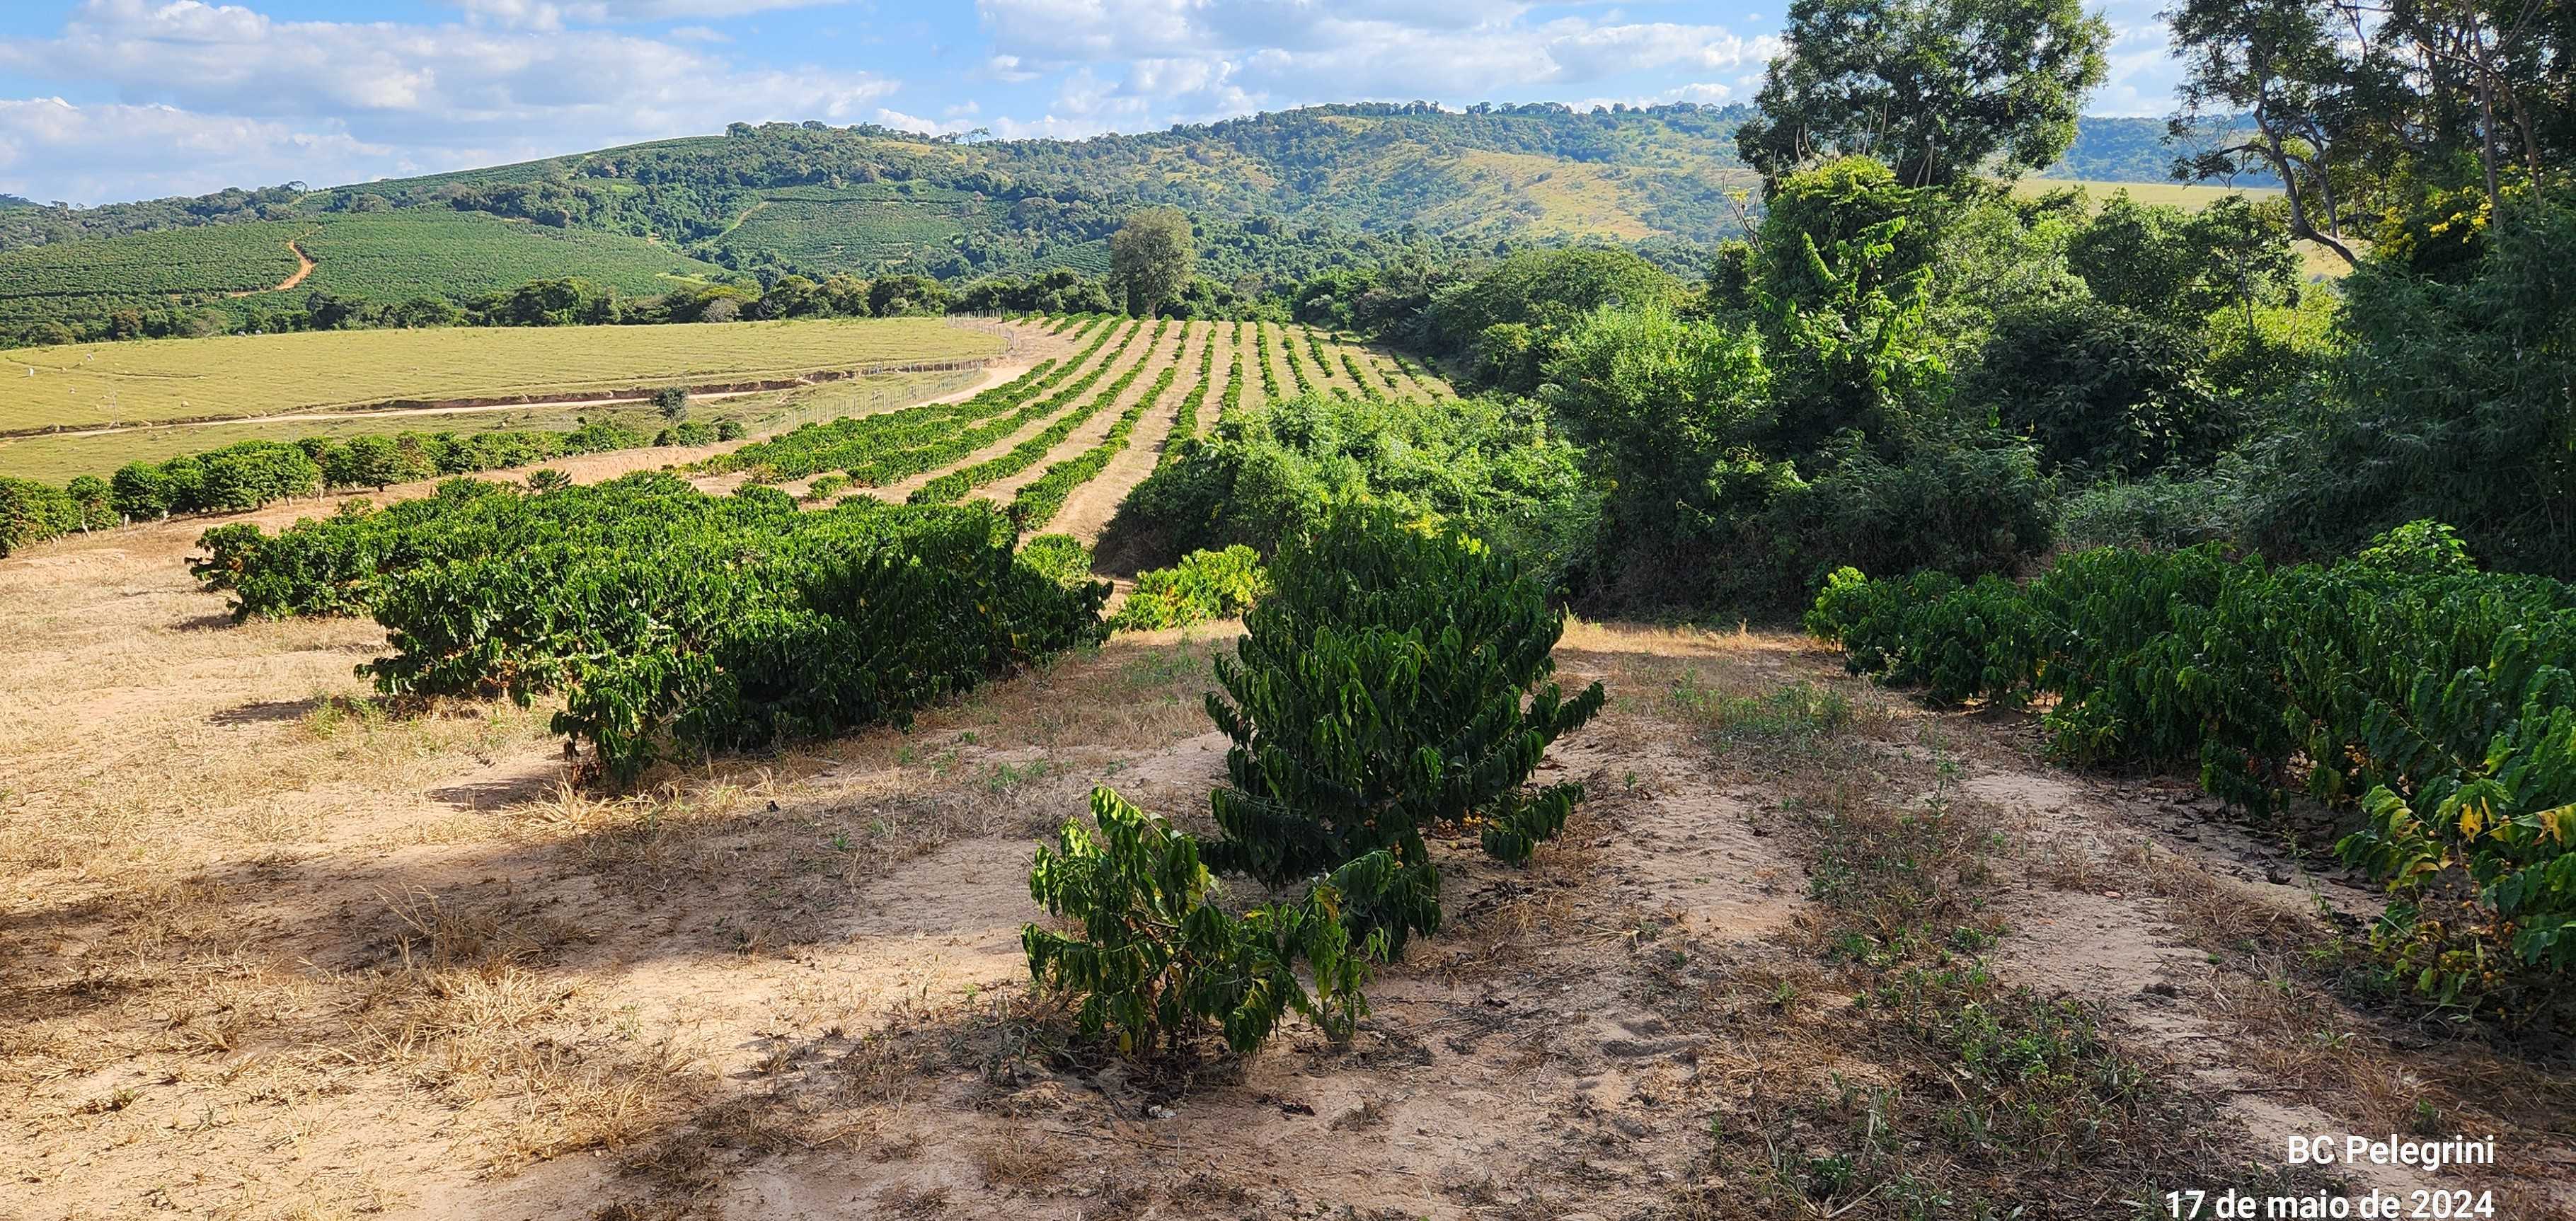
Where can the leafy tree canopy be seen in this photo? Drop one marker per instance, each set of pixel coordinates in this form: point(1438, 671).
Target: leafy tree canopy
point(1936, 88)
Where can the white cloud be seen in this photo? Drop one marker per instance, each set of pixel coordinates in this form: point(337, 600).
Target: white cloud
point(1225, 56)
point(2142, 71)
point(441, 94)
point(1705, 93)
point(1049, 127)
point(53, 149)
point(555, 14)
point(912, 122)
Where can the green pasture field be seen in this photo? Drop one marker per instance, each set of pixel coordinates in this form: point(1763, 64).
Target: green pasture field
point(156, 381)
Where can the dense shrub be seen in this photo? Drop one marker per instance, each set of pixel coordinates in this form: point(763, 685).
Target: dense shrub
point(1508, 320)
point(1060, 557)
point(2160, 512)
point(241, 476)
point(1395, 680)
point(1960, 508)
point(692, 432)
point(251, 474)
point(2104, 388)
point(32, 512)
point(2449, 400)
point(671, 621)
point(1657, 402)
point(1493, 466)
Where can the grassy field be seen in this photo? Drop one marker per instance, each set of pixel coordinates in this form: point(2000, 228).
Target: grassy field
point(87, 385)
point(2318, 262)
point(377, 257)
point(2189, 196)
point(57, 458)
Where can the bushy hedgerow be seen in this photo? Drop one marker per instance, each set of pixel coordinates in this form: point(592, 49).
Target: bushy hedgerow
point(1492, 466)
point(2431, 698)
point(671, 622)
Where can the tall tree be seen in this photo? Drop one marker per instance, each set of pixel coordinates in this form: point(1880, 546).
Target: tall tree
point(2363, 109)
point(2272, 63)
point(1938, 89)
point(1151, 257)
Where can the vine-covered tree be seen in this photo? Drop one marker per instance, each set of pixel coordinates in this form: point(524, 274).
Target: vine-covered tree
point(1938, 89)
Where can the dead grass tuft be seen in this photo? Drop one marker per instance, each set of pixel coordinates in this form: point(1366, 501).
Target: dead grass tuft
point(1021, 1165)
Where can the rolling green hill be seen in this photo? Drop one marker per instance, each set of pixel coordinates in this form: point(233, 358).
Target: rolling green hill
point(1276, 196)
point(378, 257)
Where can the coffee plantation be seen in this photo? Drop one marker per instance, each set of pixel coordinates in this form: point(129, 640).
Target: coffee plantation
point(671, 622)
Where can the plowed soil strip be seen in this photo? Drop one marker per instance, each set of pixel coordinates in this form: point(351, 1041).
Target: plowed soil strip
point(305, 268)
point(1087, 511)
point(1119, 358)
point(1095, 429)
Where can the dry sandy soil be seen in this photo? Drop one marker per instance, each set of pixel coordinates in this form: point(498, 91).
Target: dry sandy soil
point(269, 949)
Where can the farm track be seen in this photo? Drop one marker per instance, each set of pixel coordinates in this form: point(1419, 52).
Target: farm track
point(1118, 360)
point(213, 856)
point(1087, 511)
point(304, 268)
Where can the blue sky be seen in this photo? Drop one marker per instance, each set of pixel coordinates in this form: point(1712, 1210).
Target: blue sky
point(105, 100)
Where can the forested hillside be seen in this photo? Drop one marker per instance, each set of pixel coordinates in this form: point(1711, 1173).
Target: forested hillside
point(1276, 199)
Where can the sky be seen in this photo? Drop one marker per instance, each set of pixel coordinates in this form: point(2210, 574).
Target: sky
point(108, 100)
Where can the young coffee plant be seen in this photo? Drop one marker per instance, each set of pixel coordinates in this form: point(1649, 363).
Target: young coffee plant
point(1161, 956)
point(1204, 585)
point(1395, 680)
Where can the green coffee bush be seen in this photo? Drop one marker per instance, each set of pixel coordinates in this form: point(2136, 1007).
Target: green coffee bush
point(1395, 680)
point(1061, 557)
